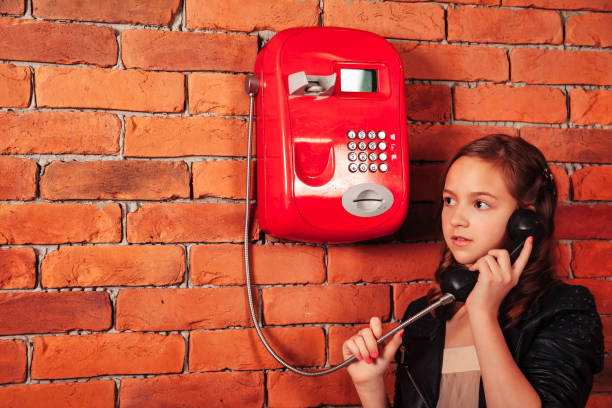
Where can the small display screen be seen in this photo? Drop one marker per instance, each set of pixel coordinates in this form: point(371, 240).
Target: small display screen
point(358, 80)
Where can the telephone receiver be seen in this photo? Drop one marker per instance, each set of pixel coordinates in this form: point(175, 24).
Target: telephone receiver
point(459, 281)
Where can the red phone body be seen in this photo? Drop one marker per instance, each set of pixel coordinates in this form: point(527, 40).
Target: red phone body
point(320, 87)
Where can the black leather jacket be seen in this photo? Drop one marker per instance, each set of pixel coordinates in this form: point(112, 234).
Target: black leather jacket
point(558, 346)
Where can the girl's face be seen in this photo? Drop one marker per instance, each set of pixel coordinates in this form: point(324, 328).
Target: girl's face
point(477, 206)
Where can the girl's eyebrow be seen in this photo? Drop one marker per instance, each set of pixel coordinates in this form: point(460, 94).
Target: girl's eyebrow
point(472, 194)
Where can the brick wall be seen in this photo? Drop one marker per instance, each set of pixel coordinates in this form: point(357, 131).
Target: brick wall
point(122, 141)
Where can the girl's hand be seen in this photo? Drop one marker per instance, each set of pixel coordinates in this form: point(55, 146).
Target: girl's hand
point(497, 276)
point(372, 363)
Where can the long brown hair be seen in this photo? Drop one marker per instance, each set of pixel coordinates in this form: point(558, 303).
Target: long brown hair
point(530, 181)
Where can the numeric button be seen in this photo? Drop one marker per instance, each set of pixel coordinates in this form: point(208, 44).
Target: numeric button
point(353, 167)
point(352, 156)
point(383, 167)
point(363, 167)
point(382, 156)
point(352, 145)
point(351, 134)
point(361, 135)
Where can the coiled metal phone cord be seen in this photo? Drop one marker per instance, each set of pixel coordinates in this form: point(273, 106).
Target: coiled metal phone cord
point(252, 87)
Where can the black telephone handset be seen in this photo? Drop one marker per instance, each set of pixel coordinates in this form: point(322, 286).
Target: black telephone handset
point(459, 281)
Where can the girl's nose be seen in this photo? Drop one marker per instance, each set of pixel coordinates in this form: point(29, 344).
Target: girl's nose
point(458, 218)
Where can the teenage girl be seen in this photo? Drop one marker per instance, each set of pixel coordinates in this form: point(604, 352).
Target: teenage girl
point(522, 338)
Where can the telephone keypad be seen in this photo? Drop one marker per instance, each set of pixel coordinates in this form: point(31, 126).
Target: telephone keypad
point(367, 151)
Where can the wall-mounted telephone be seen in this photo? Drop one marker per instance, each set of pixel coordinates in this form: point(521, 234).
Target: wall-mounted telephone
point(459, 281)
point(332, 153)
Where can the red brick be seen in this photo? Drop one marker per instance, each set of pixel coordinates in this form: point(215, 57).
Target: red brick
point(53, 312)
point(13, 361)
point(18, 180)
point(452, 62)
point(603, 380)
point(325, 304)
point(14, 86)
point(590, 107)
point(184, 136)
point(237, 15)
point(387, 19)
point(209, 351)
point(221, 178)
point(571, 145)
point(563, 261)
point(91, 394)
point(440, 142)
point(228, 389)
point(59, 132)
point(382, 263)
point(21, 223)
point(594, 29)
point(601, 290)
point(591, 259)
point(181, 309)
point(339, 334)
point(156, 12)
point(114, 179)
point(286, 389)
point(562, 182)
point(270, 264)
point(584, 221)
point(603, 5)
point(599, 400)
point(428, 103)
point(131, 90)
point(506, 26)
point(537, 66)
point(188, 51)
point(220, 94)
point(132, 265)
point(426, 182)
point(18, 266)
point(43, 41)
point(509, 103)
point(186, 222)
point(592, 183)
point(607, 332)
point(404, 294)
point(107, 354)
point(12, 7)
point(422, 223)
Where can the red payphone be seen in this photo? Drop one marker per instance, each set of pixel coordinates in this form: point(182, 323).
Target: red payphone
point(332, 152)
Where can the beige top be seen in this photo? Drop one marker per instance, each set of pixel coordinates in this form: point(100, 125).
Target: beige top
point(460, 378)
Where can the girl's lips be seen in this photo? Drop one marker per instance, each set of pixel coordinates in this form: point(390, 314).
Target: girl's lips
point(460, 241)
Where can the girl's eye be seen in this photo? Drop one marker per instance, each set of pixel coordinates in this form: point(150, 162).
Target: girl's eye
point(449, 201)
point(481, 205)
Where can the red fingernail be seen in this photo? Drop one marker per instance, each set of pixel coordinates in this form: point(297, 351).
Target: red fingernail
point(374, 354)
point(360, 357)
point(369, 360)
point(530, 239)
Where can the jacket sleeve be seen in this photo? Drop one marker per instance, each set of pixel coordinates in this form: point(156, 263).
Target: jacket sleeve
point(566, 352)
